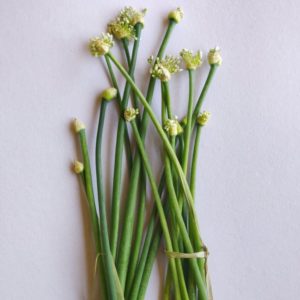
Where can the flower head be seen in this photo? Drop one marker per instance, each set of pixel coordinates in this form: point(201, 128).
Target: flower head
point(78, 125)
point(134, 16)
point(78, 166)
point(176, 15)
point(109, 94)
point(172, 127)
point(123, 26)
point(130, 114)
point(101, 45)
point(191, 61)
point(203, 118)
point(165, 67)
point(214, 56)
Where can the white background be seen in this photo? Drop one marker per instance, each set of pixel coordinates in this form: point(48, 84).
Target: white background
point(248, 196)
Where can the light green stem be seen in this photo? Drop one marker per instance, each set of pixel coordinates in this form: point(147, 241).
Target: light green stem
point(117, 178)
point(106, 257)
point(164, 138)
point(127, 232)
point(161, 214)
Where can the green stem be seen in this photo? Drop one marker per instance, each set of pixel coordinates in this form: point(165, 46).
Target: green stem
point(148, 254)
point(91, 202)
point(119, 99)
point(194, 160)
point(203, 93)
point(117, 177)
point(126, 237)
point(107, 257)
point(166, 103)
point(141, 212)
point(166, 142)
point(161, 214)
point(126, 48)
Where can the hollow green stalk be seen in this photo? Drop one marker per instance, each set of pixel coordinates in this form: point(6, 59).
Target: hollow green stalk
point(126, 50)
point(107, 258)
point(165, 141)
point(203, 93)
point(148, 254)
point(119, 99)
point(166, 105)
point(117, 177)
point(139, 229)
point(126, 236)
point(91, 203)
point(161, 214)
point(195, 160)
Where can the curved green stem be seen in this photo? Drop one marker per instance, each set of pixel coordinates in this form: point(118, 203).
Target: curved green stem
point(166, 104)
point(161, 214)
point(165, 141)
point(127, 231)
point(91, 202)
point(107, 257)
point(203, 93)
point(119, 99)
point(117, 177)
point(141, 212)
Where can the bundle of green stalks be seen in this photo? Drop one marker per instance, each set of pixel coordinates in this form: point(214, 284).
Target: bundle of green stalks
point(125, 248)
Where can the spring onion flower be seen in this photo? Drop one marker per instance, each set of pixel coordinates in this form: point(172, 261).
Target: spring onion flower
point(203, 118)
point(163, 68)
point(78, 125)
point(214, 56)
point(130, 114)
point(123, 26)
point(78, 166)
point(101, 45)
point(191, 61)
point(109, 94)
point(172, 127)
point(176, 15)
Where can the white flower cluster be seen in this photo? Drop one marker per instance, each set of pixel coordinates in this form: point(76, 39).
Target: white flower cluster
point(100, 45)
point(123, 26)
point(191, 61)
point(172, 127)
point(165, 67)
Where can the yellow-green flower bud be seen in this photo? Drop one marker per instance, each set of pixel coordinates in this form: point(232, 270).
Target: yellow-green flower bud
point(134, 16)
point(176, 15)
point(109, 94)
point(214, 56)
point(78, 167)
point(78, 125)
point(163, 68)
point(101, 45)
point(203, 118)
point(184, 121)
point(130, 114)
point(192, 61)
point(172, 127)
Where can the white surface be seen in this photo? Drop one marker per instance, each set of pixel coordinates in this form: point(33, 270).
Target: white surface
point(248, 193)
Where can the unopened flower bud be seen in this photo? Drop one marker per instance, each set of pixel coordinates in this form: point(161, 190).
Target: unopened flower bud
point(109, 94)
point(203, 118)
point(78, 167)
point(214, 56)
point(184, 121)
point(130, 114)
point(78, 125)
point(176, 15)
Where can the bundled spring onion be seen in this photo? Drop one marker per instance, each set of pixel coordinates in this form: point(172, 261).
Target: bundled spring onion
point(126, 248)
